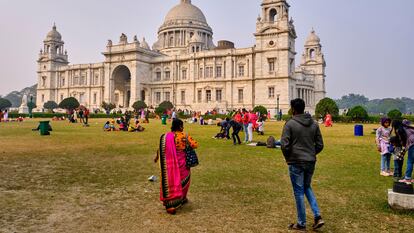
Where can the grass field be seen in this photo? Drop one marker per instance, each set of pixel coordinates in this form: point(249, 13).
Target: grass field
point(84, 180)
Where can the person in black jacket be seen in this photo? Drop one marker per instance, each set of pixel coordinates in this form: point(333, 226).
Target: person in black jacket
point(301, 142)
point(236, 129)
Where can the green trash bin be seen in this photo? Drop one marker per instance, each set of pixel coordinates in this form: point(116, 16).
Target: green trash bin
point(164, 119)
point(44, 128)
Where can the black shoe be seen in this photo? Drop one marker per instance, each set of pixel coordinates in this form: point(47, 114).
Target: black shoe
point(296, 227)
point(318, 223)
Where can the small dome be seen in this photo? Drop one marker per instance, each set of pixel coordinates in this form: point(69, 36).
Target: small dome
point(54, 35)
point(185, 11)
point(144, 44)
point(313, 39)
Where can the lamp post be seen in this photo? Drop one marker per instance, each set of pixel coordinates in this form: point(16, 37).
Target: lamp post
point(277, 107)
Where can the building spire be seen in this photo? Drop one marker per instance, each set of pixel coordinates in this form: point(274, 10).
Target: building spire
point(186, 1)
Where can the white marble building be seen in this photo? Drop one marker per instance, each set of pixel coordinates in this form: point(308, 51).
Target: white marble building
point(185, 66)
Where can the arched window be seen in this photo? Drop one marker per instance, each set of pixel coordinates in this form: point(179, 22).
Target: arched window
point(312, 53)
point(272, 15)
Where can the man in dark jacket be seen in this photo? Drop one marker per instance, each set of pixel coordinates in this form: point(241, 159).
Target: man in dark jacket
point(301, 142)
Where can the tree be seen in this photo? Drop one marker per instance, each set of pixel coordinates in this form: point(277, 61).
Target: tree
point(108, 106)
point(50, 105)
point(69, 104)
point(5, 103)
point(166, 105)
point(163, 107)
point(325, 106)
point(139, 105)
point(358, 113)
point(352, 100)
point(261, 109)
point(395, 114)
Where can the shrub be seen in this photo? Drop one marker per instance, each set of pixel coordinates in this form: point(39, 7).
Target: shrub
point(4, 103)
point(50, 105)
point(395, 114)
point(69, 103)
point(261, 109)
point(358, 113)
point(138, 105)
point(167, 105)
point(108, 106)
point(325, 106)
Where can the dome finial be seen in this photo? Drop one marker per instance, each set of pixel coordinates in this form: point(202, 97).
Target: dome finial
point(54, 26)
point(186, 1)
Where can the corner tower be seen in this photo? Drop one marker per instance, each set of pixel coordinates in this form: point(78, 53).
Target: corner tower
point(313, 60)
point(51, 57)
point(275, 48)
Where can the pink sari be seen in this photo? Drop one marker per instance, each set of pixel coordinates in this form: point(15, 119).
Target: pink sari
point(175, 176)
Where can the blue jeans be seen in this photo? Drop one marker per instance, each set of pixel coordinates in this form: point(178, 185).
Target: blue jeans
point(385, 162)
point(410, 163)
point(246, 132)
point(301, 178)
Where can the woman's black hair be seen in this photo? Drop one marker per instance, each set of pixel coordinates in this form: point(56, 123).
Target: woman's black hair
point(177, 125)
point(398, 127)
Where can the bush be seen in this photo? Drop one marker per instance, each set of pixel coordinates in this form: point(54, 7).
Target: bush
point(214, 117)
point(69, 103)
point(50, 105)
point(4, 103)
point(358, 113)
point(138, 105)
point(261, 109)
point(108, 106)
point(395, 114)
point(325, 106)
point(167, 105)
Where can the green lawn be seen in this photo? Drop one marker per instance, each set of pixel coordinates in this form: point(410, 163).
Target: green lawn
point(82, 179)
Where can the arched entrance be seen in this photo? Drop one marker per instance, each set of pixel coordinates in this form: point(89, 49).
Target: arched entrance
point(122, 86)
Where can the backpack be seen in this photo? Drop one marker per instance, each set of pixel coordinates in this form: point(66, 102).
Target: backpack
point(271, 142)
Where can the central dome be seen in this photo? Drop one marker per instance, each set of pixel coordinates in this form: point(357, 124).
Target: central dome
point(185, 11)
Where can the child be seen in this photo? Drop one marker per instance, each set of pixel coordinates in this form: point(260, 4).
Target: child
point(383, 141)
point(107, 126)
point(260, 126)
point(398, 154)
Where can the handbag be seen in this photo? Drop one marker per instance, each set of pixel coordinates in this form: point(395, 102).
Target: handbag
point(191, 159)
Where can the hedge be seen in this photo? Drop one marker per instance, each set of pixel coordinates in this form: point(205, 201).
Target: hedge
point(51, 115)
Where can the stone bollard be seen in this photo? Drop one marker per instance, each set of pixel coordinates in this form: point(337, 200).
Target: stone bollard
point(400, 201)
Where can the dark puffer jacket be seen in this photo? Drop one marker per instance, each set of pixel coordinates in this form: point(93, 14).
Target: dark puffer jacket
point(301, 140)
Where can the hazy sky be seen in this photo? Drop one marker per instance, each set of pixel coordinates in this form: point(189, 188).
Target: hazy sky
point(368, 44)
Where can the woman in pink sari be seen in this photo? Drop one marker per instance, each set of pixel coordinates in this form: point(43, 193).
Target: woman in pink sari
point(175, 176)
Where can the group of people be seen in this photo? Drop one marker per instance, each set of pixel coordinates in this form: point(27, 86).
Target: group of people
point(81, 113)
point(301, 142)
point(394, 139)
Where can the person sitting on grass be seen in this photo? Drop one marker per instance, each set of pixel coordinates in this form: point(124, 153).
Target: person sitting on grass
point(107, 126)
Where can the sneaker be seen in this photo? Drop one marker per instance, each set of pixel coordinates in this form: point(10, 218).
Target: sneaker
point(390, 173)
point(296, 227)
point(383, 173)
point(407, 181)
point(318, 223)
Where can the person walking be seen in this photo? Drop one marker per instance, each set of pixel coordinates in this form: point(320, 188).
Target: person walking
point(301, 142)
point(175, 175)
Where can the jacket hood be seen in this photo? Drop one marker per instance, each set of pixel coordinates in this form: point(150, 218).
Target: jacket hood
point(304, 119)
